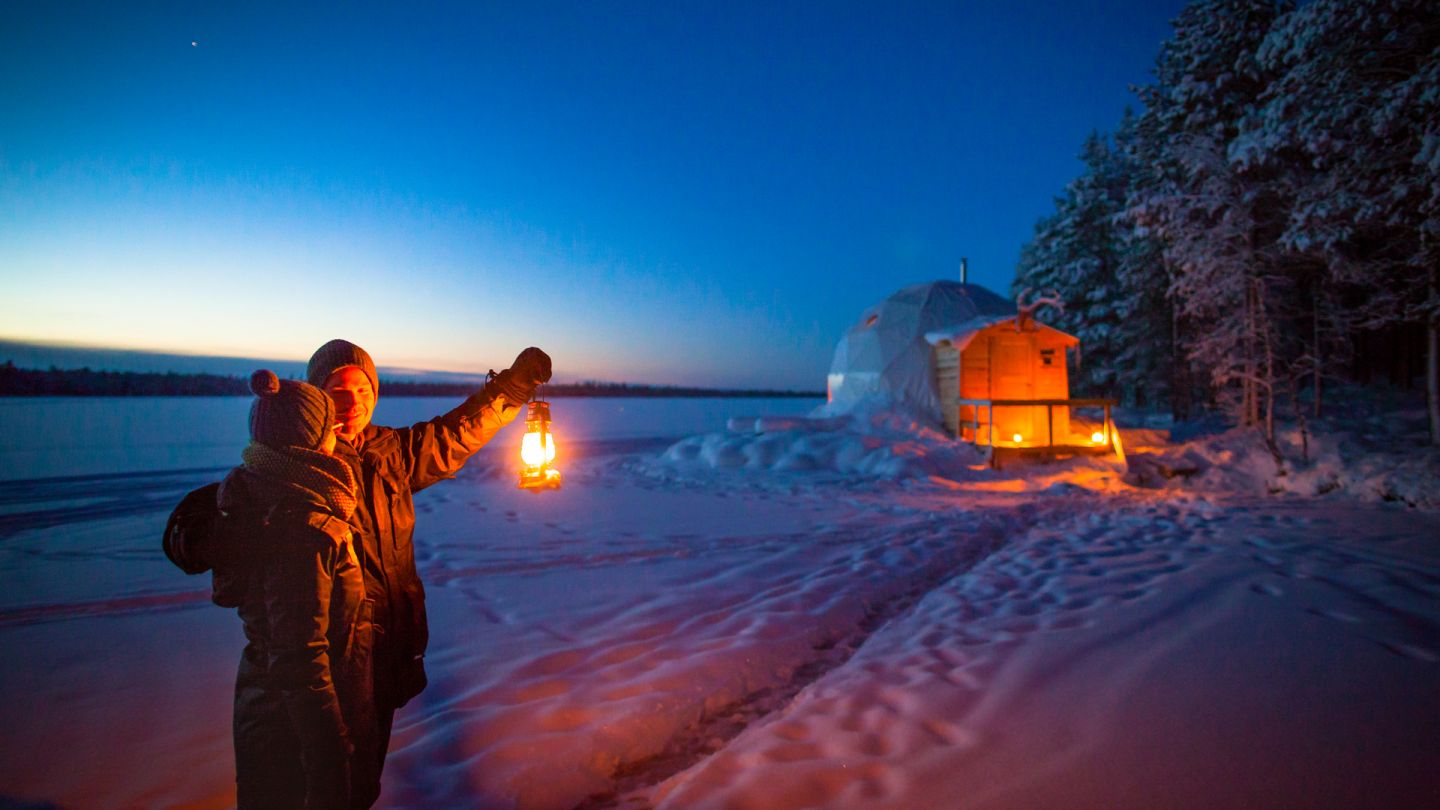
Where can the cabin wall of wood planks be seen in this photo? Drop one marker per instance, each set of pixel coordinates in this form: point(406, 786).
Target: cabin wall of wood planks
point(1002, 363)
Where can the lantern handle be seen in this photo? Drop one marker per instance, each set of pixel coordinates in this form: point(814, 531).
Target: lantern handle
point(534, 396)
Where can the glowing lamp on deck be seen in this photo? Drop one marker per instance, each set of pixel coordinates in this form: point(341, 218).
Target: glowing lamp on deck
point(537, 450)
point(1097, 438)
point(1017, 438)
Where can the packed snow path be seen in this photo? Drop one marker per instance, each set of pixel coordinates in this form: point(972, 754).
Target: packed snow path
point(776, 641)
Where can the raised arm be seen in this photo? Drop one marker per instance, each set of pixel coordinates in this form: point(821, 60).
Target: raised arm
point(437, 449)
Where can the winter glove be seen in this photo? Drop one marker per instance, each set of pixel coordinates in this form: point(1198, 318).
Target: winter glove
point(517, 383)
point(532, 365)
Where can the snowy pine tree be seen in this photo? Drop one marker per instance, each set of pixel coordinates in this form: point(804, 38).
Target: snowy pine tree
point(1146, 325)
point(1074, 252)
point(1355, 105)
point(1216, 223)
point(1278, 195)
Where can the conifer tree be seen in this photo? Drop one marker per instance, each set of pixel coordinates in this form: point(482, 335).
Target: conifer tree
point(1355, 104)
point(1147, 328)
point(1074, 253)
point(1215, 222)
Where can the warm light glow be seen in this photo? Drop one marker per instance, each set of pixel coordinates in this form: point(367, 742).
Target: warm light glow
point(537, 448)
point(1018, 438)
point(1097, 437)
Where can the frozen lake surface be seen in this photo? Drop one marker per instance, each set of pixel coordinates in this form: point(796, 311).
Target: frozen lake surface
point(711, 626)
point(44, 437)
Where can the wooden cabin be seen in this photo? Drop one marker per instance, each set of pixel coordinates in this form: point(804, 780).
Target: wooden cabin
point(987, 361)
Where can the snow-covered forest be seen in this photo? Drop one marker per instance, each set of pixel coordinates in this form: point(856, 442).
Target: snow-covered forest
point(1268, 223)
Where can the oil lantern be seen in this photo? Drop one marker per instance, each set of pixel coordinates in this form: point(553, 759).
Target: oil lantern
point(537, 450)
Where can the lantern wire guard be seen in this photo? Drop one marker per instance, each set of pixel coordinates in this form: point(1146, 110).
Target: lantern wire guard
point(537, 449)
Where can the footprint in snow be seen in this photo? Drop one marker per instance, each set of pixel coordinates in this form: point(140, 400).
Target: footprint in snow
point(1267, 589)
point(1268, 559)
point(1412, 651)
point(947, 733)
point(1066, 623)
point(1337, 615)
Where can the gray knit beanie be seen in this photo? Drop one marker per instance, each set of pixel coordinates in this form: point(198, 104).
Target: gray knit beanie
point(336, 355)
point(288, 413)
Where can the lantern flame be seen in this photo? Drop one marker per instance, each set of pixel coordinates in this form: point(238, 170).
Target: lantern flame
point(1017, 438)
point(1097, 437)
point(537, 448)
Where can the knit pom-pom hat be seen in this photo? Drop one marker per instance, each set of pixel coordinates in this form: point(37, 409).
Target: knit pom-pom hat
point(338, 354)
point(288, 413)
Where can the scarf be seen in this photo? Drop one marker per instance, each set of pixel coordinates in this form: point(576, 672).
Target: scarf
point(312, 475)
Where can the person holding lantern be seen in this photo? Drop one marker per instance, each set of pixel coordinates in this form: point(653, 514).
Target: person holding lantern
point(390, 465)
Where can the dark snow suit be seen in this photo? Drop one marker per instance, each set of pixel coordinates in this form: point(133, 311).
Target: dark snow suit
point(303, 702)
point(390, 465)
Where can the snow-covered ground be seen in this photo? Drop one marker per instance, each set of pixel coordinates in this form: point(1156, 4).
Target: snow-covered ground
point(779, 615)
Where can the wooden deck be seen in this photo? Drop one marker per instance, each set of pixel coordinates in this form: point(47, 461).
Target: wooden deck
point(981, 429)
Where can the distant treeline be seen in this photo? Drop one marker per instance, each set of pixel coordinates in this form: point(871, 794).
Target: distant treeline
point(23, 382)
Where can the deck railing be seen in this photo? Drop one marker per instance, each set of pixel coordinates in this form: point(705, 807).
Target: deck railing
point(975, 424)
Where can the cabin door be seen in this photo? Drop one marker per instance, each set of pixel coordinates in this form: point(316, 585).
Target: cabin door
point(1013, 378)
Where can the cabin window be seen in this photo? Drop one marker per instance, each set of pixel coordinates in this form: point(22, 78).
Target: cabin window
point(1047, 357)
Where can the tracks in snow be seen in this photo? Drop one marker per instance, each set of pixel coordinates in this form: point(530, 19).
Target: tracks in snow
point(632, 780)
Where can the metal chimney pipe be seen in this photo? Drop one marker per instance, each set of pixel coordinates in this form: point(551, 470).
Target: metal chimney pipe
point(964, 270)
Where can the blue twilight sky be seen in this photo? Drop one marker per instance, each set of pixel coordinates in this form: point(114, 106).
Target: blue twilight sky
point(668, 192)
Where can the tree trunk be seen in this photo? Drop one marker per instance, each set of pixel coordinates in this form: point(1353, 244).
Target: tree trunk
point(1432, 379)
point(1269, 391)
point(1264, 333)
point(1315, 353)
point(1251, 390)
point(1300, 421)
point(1432, 360)
point(1243, 346)
point(1179, 373)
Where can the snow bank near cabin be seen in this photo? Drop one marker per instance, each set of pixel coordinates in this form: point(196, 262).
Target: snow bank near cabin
point(1381, 458)
point(878, 444)
point(1331, 462)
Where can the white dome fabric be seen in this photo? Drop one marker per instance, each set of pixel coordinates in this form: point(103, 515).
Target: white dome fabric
point(884, 362)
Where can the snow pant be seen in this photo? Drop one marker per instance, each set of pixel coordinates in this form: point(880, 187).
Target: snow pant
point(269, 763)
point(393, 677)
point(369, 761)
point(269, 768)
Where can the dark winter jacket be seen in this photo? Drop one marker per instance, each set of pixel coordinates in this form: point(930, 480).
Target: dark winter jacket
point(303, 700)
point(390, 465)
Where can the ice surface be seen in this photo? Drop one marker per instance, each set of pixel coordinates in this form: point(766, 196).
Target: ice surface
point(672, 631)
point(43, 437)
